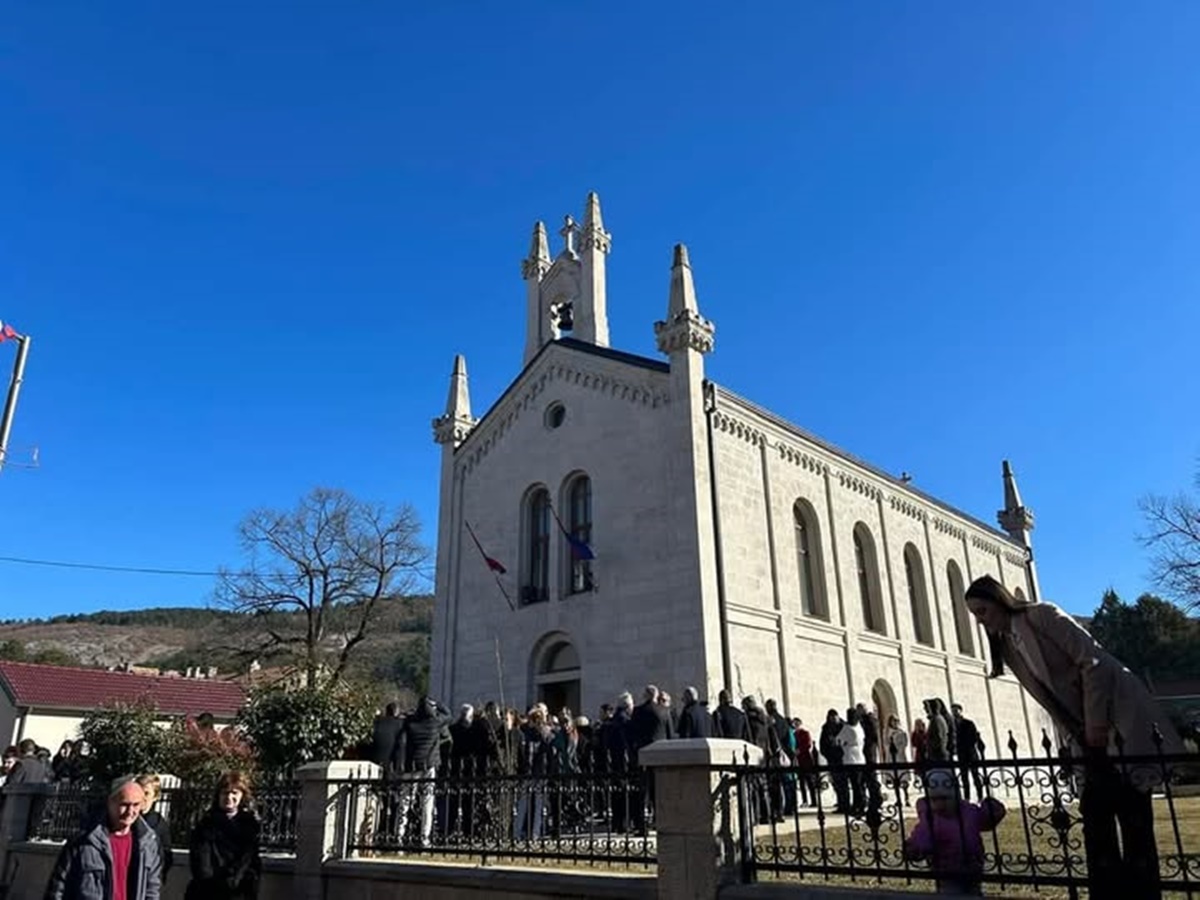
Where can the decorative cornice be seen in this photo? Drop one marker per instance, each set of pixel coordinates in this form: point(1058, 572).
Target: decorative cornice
point(852, 482)
point(804, 460)
point(1016, 521)
point(945, 526)
point(501, 420)
point(686, 330)
point(907, 507)
point(985, 545)
point(451, 429)
point(1017, 559)
point(726, 423)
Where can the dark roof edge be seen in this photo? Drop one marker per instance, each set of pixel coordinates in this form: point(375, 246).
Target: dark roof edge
point(863, 464)
point(631, 359)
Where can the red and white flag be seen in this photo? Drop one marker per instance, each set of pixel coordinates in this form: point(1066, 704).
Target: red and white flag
point(7, 331)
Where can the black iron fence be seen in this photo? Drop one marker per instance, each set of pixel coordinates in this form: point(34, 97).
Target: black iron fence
point(591, 817)
point(61, 815)
point(1017, 821)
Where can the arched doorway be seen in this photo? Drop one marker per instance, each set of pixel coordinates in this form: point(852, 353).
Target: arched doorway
point(884, 700)
point(556, 674)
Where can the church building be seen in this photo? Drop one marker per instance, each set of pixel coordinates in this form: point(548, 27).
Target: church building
point(614, 520)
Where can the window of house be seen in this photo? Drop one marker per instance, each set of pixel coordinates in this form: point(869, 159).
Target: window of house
point(868, 580)
point(808, 561)
point(535, 573)
point(579, 526)
point(958, 603)
point(918, 598)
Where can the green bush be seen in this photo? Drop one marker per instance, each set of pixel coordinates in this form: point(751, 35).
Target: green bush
point(125, 741)
point(290, 728)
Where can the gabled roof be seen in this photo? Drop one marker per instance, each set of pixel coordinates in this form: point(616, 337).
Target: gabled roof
point(84, 690)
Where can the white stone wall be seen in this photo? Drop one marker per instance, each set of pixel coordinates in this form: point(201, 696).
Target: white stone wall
point(639, 625)
point(829, 664)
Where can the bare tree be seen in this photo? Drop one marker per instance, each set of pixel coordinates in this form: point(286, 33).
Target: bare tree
point(1173, 534)
point(315, 576)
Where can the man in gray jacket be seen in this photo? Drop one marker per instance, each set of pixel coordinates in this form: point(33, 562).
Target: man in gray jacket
point(116, 857)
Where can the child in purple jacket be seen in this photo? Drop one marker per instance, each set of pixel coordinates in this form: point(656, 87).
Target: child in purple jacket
point(949, 833)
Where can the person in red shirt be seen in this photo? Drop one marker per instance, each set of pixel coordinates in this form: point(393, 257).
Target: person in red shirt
point(116, 857)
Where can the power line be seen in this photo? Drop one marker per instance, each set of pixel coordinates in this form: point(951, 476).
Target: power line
point(137, 570)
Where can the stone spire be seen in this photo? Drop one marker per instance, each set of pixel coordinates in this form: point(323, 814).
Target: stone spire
point(591, 308)
point(684, 327)
point(456, 423)
point(538, 261)
point(1015, 518)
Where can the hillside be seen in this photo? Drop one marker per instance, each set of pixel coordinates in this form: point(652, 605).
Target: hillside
point(179, 638)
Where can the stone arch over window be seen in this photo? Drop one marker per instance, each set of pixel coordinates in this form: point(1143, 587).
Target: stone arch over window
point(1019, 595)
point(576, 515)
point(556, 672)
point(866, 564)
point(918, 594)
point(535, 545)
point(958, 603)
point(808, 560)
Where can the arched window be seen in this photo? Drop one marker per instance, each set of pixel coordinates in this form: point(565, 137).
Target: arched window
point(579, 526)
point(868, 580)
point(958, 603)
point(918, 598)
point(535, 555)
point(1019, 595)
point(808, 561)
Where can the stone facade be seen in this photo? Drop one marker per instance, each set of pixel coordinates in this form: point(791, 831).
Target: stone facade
point(731, 547)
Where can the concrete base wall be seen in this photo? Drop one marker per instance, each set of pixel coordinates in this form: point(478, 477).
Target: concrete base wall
point(373, 880)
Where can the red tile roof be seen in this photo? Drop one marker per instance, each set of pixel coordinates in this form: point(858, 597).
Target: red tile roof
point(65, 687)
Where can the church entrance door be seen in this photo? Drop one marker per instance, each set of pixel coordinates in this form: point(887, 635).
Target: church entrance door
point(557, 678)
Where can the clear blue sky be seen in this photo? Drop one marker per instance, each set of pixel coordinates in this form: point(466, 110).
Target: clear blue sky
point(249, 238)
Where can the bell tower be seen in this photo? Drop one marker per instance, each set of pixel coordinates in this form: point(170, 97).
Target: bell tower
point(567, 295)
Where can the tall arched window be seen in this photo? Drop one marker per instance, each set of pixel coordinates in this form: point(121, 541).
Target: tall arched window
point(535, 556)
point(579, 526)
point(868, 580)
point(1019, 595)
point(958, 603)
point(918, 598)
point(808, 561)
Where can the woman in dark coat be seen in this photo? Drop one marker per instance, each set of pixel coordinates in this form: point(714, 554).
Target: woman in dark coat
point(224, 847)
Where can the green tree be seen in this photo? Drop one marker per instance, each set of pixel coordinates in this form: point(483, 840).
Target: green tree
point(315, 577)
point(13, 650)
point(125, 740)
point(290, 728)
point(1152, 637)
point(410, 668)
point(1173, 536)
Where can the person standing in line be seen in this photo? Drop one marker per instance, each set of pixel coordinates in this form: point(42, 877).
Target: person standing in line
point(151, 785)
point(223, 850)
point(115, 857)
point(970, 746)
point(938, 741)
point(1092, 699)
point(895, 742)
point(695, 721)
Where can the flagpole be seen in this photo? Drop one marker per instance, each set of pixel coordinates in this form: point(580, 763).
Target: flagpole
point(14, 391)
point(479, 547)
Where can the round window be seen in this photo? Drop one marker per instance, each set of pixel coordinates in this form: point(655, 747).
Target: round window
point(556, 414)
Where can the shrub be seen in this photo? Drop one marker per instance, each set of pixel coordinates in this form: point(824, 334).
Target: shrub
point(199, 756)
point(290, 728)
point(125, 740)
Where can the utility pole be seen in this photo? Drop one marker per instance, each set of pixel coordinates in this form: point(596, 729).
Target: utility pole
point(14, 391)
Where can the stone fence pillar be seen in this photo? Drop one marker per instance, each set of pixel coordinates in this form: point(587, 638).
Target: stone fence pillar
point(17, 803)
point(321, 831)
point(693, 821)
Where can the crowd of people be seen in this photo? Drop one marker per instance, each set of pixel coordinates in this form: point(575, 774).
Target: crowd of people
point(27, 762)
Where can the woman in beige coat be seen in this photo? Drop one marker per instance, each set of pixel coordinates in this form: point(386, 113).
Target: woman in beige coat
point(1092, 699)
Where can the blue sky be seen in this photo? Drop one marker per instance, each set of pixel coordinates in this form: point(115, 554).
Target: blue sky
point(248, 239)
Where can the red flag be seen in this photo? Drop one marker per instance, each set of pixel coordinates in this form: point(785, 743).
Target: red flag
point(7, 332)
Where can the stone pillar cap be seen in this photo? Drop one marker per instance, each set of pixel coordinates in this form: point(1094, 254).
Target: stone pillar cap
point(699, 752)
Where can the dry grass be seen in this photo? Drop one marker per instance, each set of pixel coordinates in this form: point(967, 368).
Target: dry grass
point(1012, 840)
